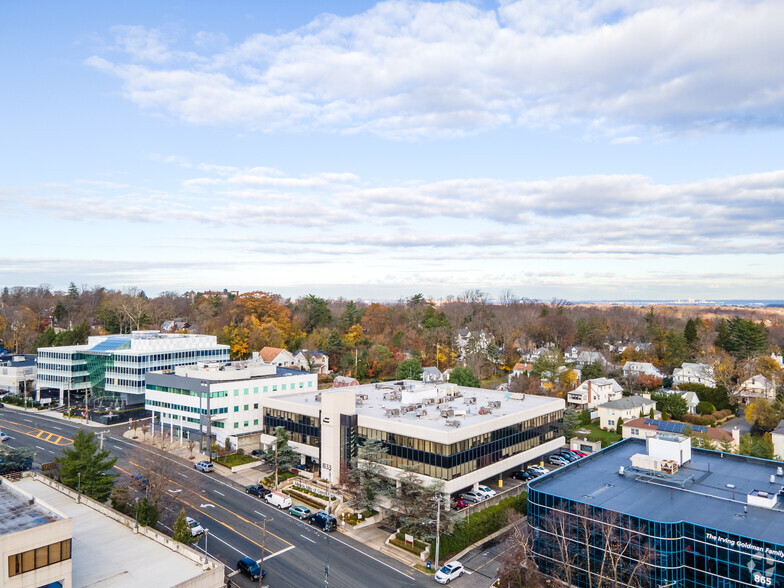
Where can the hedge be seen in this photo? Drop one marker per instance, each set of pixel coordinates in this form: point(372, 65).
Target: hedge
point(399, 540)
point(480, 525)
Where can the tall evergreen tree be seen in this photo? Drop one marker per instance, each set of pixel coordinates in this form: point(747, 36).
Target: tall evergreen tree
point(86, 458)
point(182, 531)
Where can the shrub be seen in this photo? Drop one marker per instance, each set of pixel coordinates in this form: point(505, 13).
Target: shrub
point(399, 540)
point(705, 407)
point(619, 427)
point(481, 524)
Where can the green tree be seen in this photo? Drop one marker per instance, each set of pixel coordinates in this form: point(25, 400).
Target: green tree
point(743, 338)
point(409, 369)
point(675, 351)
point(182, 531)
point(365, 480)
point(571, 422)
point(463, 376)
point(147, 513)
point(286, 458)
point(705, 408)
point(591, 371)
point(756, 446)
point(619, 426)
point(317, 313)
point(86, 458)
point(585, 417)
point(15, 459)
point(350, 317)
point(673, 405)
point(334, 347)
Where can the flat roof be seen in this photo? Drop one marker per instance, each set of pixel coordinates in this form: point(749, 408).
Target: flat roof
point(699, 493)
point(378, 403)
point(17, 514)
point(106, 552)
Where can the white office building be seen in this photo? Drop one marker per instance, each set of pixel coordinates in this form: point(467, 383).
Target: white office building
point(17, 374)
point(232, 393)
point(456, 434)
point(114, 366)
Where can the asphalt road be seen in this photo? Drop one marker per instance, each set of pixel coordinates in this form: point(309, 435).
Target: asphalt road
point(295, 554)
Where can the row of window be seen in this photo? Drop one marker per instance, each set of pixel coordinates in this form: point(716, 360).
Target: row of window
point(301, 428)
point(39, 558)
point(184, 408)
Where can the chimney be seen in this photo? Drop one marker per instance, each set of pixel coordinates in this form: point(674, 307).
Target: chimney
point(589, 393)
point(735, 436)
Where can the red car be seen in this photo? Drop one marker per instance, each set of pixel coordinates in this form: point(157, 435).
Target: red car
point(577, 453)
point(459, 504)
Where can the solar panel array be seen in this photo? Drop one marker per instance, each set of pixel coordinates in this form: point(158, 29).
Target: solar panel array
point(674, 427)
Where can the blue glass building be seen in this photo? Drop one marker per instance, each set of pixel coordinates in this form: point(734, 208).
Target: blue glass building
point(717, 521)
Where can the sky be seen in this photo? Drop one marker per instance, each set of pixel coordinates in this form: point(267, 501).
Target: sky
point(584, 150)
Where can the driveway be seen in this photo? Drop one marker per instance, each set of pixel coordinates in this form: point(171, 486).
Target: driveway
point(739, 422)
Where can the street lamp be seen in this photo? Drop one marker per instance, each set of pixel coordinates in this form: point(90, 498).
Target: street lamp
point(438, 526)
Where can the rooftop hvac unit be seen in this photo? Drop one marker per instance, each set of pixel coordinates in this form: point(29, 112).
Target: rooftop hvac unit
point(469, 399)
point(453, 423)
point(447, 413)
point(390, 412)
point(494, 404)
point(484, 410)
point(421, 412)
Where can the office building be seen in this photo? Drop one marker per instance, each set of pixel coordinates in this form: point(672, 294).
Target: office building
point(113, 366)
point(447, 432)
point(18, 374)
point(657, 512)
point(232, 393)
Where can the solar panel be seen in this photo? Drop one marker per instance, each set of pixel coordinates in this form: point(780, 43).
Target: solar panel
point(111, 344)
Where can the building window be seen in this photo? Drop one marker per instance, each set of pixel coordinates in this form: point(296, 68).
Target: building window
point(236, 425)
point(245, 391)
point(236, 393)
point(236, 409)
point(245, 424)
point(245, 407)
point(39, 558)
point(256, 406)
point(256, 390)
point(255, 421)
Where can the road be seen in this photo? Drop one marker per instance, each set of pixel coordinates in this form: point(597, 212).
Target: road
point(295, 554)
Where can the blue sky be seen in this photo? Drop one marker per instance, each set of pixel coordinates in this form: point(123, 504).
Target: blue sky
point(613, 149)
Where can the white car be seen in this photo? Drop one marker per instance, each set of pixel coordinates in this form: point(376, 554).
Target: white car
point(472, 496)
point(196, 528)
point(4, 437)
point(488, 492)
point(203, 466)
point(537, 468)
point(450, 571)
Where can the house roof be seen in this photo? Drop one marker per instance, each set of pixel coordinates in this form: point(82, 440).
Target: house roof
point(600, 382)
point(431, 370)
point(522, 367)
point(654, 425)
point(270, 353)
point(627, 403)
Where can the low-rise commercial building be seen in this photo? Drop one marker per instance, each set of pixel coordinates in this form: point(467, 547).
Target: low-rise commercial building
point(51, 536)
point(445, 432)
point(114, 366)
point(232, 394)
point(18, 374)
point(657, 512)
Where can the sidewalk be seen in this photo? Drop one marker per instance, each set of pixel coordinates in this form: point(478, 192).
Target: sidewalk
point(56, 415)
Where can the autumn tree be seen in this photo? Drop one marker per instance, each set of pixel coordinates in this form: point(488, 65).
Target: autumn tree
point(760, 413)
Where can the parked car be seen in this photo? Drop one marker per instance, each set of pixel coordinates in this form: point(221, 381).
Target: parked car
point(558, 460)
point(570, 457)
point(203, 466)
point(534, 473)
point(522, 475)
point(450, 571)
point(250, 568)
point(258, 453)
point(459, 504)
point(541, 470)
point(259, 491)
point(278, 499)
point(302, 512)
point(579, 453)
point(472, 496)
point(4, 437)
point(323, 521)
point(196, 528)
point(139, 479)
point(486, 490)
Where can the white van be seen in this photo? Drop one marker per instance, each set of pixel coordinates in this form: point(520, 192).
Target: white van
point(278, 499)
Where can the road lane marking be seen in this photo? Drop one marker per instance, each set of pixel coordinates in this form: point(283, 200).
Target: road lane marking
point(59, 440)
point(207, 506)
point(307, 538)
point(491, 560)
point(221, 493)
point(230, 528)
point(261, 514)
point(57, 428)
point(28, 420)
point(277, 553)
point(41, 448)
point(224, 508)
point(183, 475)
point(371, 557)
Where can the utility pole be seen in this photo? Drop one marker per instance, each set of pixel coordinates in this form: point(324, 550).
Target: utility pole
point(276, 462)
point(438, 526)
point(263, 538)
point(100, 435)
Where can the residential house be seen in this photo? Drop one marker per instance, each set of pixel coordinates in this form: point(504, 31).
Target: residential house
point(694, 373)
point(175, 325)
point(521, 369)
point(584, 357)
point(642, 428)
point(632, 369)
point(532, 356)
point(472, 342)
point(431, 375)
point(593, 393)
point(343, 381)
point(277, 357)
point(756, 387)
point(627, 408)
point(312, 361)
point(778, 358)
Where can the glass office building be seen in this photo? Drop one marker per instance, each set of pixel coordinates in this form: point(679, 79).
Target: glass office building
point(717, 521)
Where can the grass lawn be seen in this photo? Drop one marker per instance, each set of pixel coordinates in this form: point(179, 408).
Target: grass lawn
point(606, 437)
point(234, 459)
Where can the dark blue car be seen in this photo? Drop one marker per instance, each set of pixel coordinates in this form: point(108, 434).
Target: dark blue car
point(250, 568)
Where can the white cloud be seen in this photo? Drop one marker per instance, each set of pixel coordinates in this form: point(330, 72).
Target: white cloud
point(408, 69)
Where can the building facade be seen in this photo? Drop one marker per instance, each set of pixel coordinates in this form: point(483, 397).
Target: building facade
point(233, 394)
point(592, 393)
point(459, 435)
point(18, 374)
point(624, 408)
point(659, 513)
point(114, 366)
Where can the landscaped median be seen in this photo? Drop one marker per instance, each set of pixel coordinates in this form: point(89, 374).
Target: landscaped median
point(418, 548)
